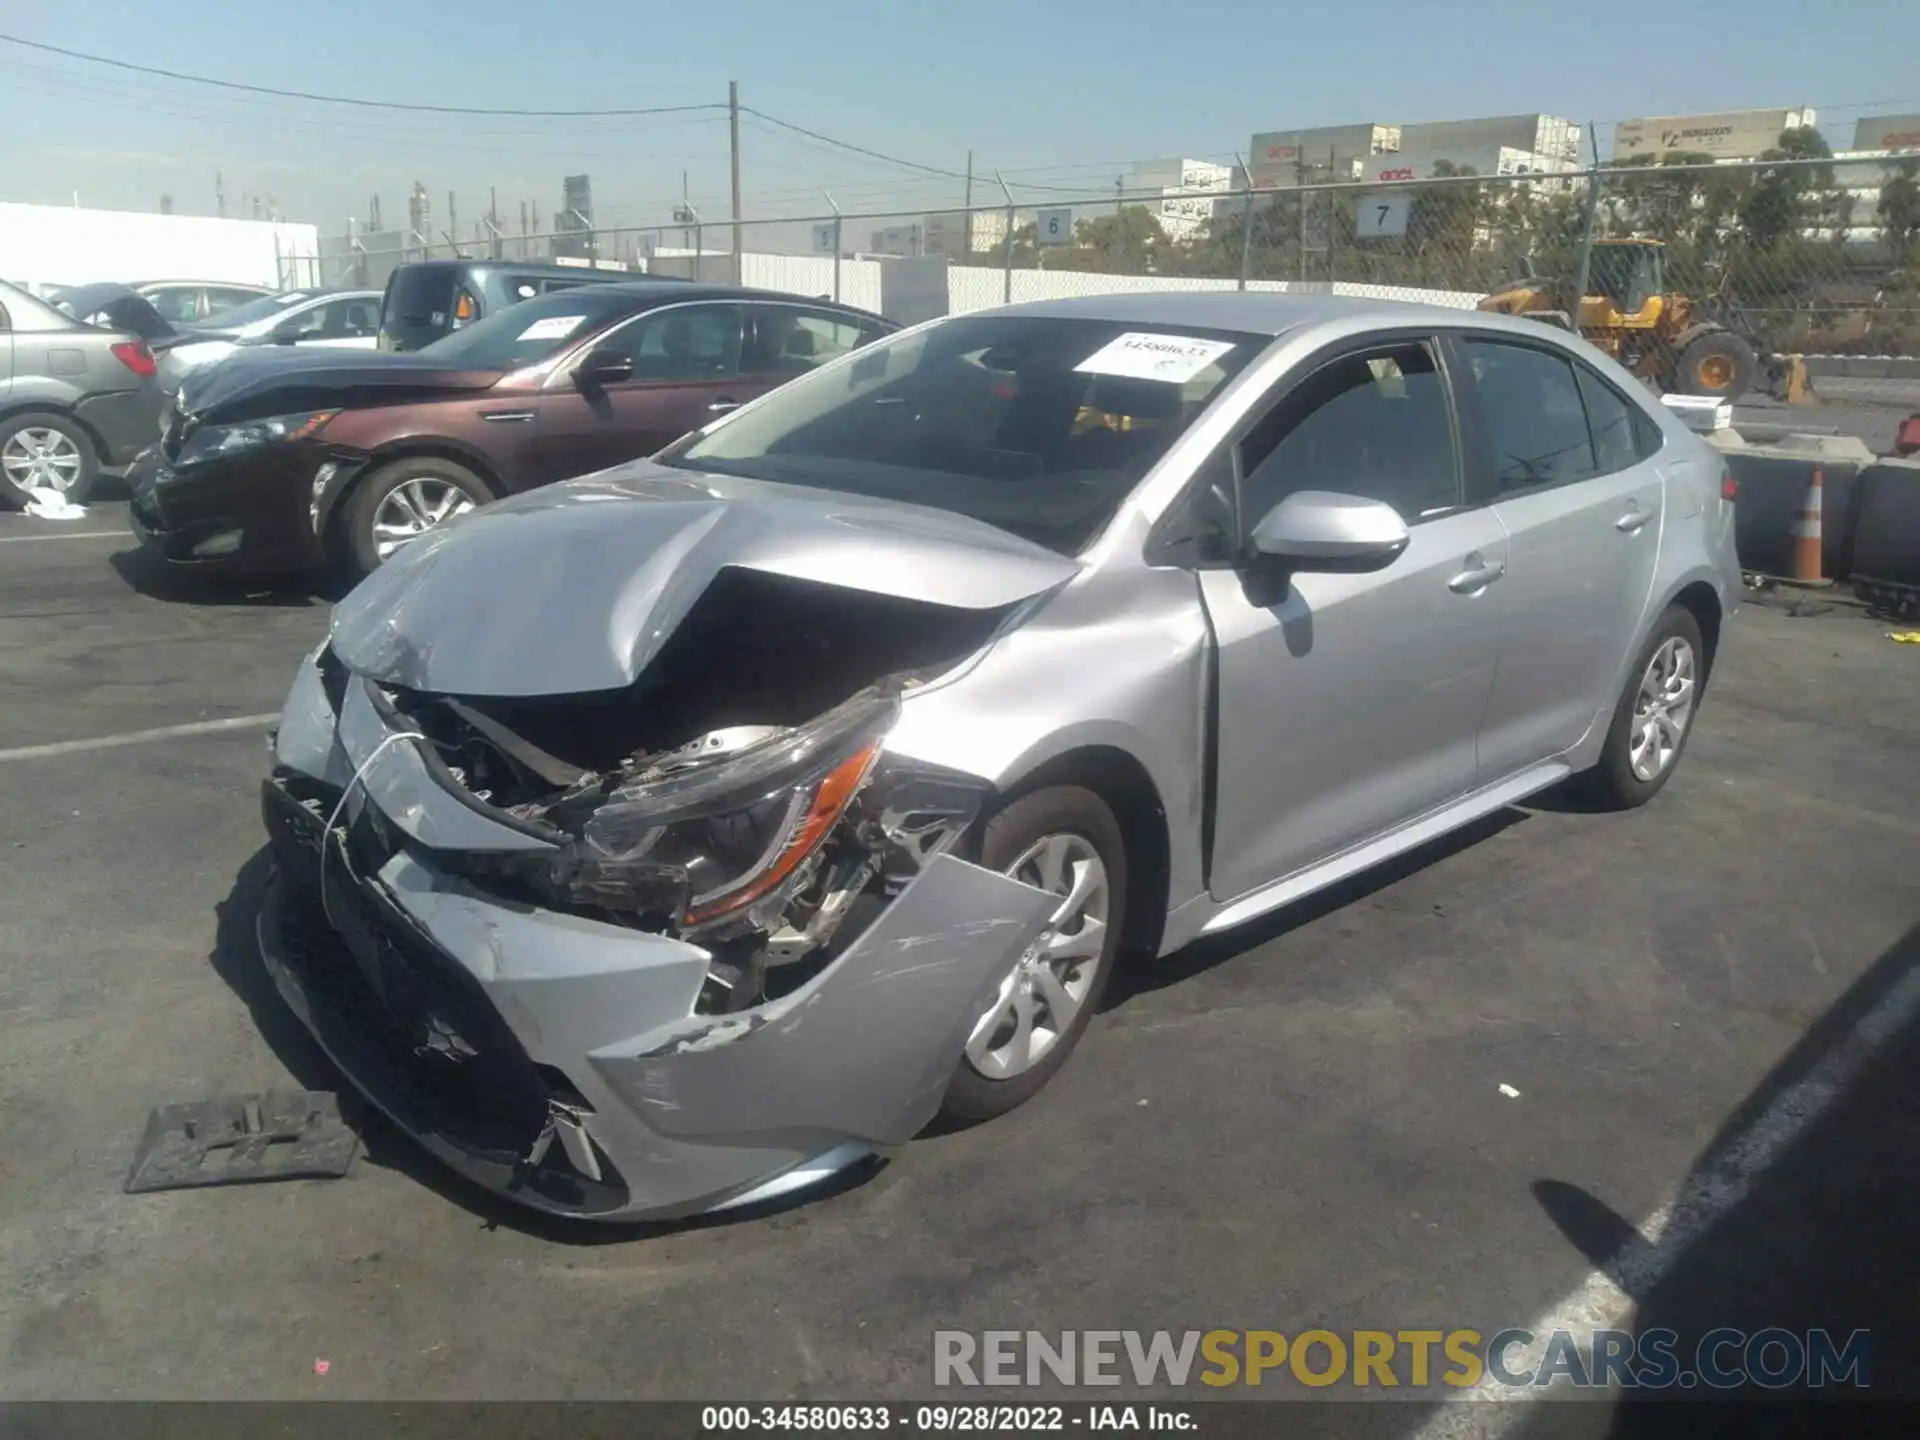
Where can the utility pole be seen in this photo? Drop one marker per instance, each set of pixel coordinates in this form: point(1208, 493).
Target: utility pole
point(1119, 190)
point(969, 204)
point(1300, 199)
point(453, 226)
point(733, 130)
point(219, 195)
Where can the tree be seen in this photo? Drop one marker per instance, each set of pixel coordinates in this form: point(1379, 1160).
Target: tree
point(1124, 244)
point(1899, 212)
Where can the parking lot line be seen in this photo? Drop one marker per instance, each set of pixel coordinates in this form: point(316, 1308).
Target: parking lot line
point(137, 737)
point(1718, 1183)
point(65, 535)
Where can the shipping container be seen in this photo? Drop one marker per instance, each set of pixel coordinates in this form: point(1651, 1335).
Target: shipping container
point(1494, 160)
point(1887, 132)
point(1280, 159)
point(1734, 135)
point(1546, 135)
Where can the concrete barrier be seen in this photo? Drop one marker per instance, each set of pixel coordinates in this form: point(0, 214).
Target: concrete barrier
point(1773, 481)
point(1887, 543)
point(1863, 367)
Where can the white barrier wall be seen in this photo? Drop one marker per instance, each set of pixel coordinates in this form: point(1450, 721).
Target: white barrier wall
point(975, 287)
point(54, 245)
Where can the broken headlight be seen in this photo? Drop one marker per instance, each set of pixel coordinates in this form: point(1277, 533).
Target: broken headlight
point(697, 838)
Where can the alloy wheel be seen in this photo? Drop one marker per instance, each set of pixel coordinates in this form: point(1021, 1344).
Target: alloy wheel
point(414, 507)
point(1663, 708)
point(1037, 1002)
point(41, 458)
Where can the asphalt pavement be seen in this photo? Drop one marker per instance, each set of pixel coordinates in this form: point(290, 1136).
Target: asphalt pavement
point(1300, 1126)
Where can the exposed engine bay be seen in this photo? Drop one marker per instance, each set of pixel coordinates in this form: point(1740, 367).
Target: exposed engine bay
point(736, 794)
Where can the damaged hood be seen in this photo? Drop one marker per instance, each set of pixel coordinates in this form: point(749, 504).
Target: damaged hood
point(284, 380)
point(575, 587)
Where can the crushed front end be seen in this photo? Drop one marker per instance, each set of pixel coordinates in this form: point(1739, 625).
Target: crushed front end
point(637, 953)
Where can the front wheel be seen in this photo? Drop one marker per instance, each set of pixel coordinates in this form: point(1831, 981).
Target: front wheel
point(403, 500)
point(1063, 840)
point(1718, 364)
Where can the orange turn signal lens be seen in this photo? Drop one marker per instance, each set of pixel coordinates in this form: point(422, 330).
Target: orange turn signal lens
point(830, 801)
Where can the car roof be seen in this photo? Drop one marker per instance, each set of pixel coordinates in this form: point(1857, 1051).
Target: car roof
point(1272, 313)
point(683, 291)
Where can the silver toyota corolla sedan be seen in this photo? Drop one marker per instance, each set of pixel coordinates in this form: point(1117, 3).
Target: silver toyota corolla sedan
point(669, 839)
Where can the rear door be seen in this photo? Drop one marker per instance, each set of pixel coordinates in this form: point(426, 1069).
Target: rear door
point(686, 370)
point(348, 323)
point(6, 350)
point(1583, 504)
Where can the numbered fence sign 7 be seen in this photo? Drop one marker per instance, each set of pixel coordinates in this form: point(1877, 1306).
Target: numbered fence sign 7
point(1054, 227)
point(1380, 214)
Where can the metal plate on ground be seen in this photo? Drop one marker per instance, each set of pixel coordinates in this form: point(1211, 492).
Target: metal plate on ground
point(243, 1139)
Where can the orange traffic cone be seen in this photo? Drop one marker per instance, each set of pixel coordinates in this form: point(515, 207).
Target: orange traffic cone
point(1806, 531)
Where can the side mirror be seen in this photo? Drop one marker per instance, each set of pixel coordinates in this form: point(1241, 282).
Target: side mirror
point(603, 367)
point(1319, 530)
point(286, 335)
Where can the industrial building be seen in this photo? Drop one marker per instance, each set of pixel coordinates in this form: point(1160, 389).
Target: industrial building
point(1730, 135)
point(960, 232)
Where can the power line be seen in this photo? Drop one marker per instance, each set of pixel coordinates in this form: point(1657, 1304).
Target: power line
point(856, 149)
point(345, 99)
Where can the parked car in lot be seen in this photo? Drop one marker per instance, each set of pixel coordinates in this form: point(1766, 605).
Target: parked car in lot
point(724, 816)
point(194, 302)
point(73, 397)
point(292, 461)
point(430, 299)
point(330, 319)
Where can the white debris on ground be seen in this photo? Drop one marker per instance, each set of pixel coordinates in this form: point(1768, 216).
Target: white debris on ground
point(50, 504)
point(1509, 1091)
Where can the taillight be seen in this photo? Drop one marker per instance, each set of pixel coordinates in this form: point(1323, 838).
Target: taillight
point(1729, 487)
point(137, 357)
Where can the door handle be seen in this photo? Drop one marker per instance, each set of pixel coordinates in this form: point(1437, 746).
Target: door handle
point(1633, 520)
point(719, 407)
point(504, 415)
point(1475, 579)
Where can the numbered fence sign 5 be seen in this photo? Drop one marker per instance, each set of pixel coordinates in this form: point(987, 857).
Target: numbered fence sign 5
point(1380, 214)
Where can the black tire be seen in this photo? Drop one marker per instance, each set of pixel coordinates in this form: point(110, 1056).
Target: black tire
point(1719, 364)
point(361, 551)
point(64, 425)
point(1057, 810)
point(1611, 784)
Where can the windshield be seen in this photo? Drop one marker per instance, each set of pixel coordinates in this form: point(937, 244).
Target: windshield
point(527, 333)
point(1040, 426)
point(265, 308)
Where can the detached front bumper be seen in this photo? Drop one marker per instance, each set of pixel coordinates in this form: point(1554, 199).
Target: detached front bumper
point(558, 1060)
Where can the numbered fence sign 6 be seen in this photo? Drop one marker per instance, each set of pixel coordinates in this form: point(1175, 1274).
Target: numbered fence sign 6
point(1054, 227)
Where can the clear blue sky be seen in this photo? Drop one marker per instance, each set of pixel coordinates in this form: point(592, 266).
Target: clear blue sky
point(1065, 92)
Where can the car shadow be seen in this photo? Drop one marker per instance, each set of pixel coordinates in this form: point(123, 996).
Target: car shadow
point(1142, 974)
point(1803, 1213)
point(236, 960)
point(146, 575)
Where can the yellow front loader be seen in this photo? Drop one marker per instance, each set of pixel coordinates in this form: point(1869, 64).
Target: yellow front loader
point(1629, 313)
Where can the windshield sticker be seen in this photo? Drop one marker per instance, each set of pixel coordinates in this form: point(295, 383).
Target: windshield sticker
point(1141, 356)
point(553, 327)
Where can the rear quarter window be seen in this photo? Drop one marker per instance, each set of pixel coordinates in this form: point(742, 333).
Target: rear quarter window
point(417, 295)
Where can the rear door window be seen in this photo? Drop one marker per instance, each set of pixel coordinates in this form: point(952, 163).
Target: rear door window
point(789, 340)
point(1534, 416)
point(177, 304)
point(416, 296)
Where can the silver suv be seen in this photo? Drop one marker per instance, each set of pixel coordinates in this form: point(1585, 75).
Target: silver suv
point(670, 838)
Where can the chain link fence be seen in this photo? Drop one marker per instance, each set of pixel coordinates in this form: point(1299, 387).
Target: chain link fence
point(1795, 256)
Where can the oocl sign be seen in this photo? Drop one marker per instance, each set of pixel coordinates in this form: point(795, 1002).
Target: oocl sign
point(1404, 172)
